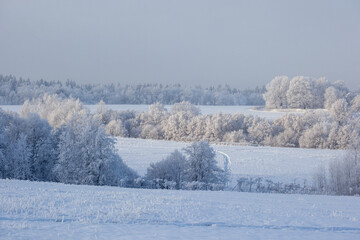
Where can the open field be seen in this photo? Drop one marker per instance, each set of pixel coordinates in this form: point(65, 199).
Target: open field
point(33, 210)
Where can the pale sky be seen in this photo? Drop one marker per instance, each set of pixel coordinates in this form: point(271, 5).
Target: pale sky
point(192, 42)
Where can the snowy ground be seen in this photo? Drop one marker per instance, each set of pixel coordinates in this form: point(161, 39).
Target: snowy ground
point(205, 109)
point(280, 164)
point(31, 210)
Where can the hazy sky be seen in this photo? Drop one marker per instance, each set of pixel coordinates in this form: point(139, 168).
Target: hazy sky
point(240, 43)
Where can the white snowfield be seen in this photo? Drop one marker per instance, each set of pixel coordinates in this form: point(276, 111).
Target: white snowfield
point(278, 164)
point(34, 210)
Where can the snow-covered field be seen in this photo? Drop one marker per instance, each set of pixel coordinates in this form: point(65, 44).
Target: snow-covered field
point(280, 164)
point(205, 109)
point(32, 210)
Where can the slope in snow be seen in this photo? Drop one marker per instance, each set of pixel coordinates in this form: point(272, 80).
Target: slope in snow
point(280, 164)
point(33, 210)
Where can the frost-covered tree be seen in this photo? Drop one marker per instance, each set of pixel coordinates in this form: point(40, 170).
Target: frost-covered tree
point(185, 107)
point(275, 96)
point(2, 163)
point(331, 95)
point(299, 94)
point(176, 126)
point(288, 130)
point(318, 91)
point(87, 155)
point(202, 164)
point(102, 113)
point(41, 147)
point(260, 131)
point(151, 122)
point(320, 179)
point(355, 104)
point(55, 110)
point(315, 137)
point(340, 111)
point(19, 159)
point(116, 128)
point(172, 168)
point(343, 175)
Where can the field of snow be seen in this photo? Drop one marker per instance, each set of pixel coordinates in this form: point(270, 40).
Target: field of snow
point(205, 109)
point(33, 210)
point(280, 164)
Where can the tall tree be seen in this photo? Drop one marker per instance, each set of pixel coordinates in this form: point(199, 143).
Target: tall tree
point(300, 94)
point(275, 96)
point(202, 164)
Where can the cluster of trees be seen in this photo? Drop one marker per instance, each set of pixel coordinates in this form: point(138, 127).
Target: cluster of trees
point(333, 129)
point(196, 170)
point(17, 91)
point(59, 140)
point(306, 93)
point(78, 151)
point(341, 176)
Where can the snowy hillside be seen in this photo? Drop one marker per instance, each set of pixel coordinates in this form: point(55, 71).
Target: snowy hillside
point(280, 164)
point(31, 210)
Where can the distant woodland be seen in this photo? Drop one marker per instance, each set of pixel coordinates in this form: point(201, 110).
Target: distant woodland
point(17, 91)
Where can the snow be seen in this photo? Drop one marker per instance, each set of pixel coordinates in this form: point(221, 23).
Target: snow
point(205, 109)
point(280, 164)
point(34, 210)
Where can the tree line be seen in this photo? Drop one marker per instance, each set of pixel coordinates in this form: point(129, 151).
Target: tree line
point(333, 129)
point(17, 91)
